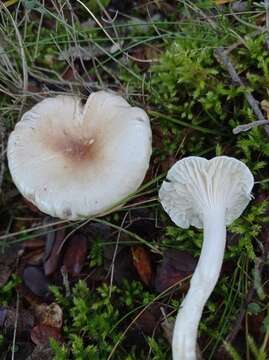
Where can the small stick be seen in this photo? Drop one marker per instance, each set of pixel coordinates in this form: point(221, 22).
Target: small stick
point(167, 326)
point(222, 57)
point(246, 127)
point(15, 327)
point(65, 281)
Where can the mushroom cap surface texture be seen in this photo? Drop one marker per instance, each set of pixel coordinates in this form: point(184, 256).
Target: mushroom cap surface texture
point(195, 185)
point(73, 160)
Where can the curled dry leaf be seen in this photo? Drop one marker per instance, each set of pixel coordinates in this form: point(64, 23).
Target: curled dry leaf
point(75, 254)
point(41, 334)
point(33, 244)
point(142, 263)
point(49, 315)
point(176, 266)
point(52, 256)
point(33, 257)
point(36, 281)
point(149, 320)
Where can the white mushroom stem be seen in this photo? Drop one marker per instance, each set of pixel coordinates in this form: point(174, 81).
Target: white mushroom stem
point(208, 194)
point(202, 284)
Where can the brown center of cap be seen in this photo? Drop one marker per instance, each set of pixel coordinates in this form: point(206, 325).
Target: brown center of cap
point(75, 149)
point(78, 150)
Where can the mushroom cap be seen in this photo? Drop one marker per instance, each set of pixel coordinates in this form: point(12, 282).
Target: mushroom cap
point(195, 185)
point(73, 160)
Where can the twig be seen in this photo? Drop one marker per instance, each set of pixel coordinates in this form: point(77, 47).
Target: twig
point(222, 57)
point(115, 255)
point(65, 281)
point(168, 326)
point(15, 327)
point(246, 127)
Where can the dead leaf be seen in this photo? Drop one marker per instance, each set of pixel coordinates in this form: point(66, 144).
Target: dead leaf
point(75, 254)
point(33, 244)
point(27, 295)
point(123, 264)
point(148, 321)
point(41, 334)
point(53, 251)
point(49, 315)
point(142, 263)
point(34, 257)
point(176, 266)
point(69, 73)
point(36, 281)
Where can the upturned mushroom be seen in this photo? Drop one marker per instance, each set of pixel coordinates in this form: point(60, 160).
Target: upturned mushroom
point(208, 194)
point(73, 160)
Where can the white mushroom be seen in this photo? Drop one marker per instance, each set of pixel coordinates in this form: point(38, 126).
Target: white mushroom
point(73, 160)
point(208, 194)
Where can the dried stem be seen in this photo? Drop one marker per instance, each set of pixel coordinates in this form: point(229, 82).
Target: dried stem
point(222, 57)
point(246, 127)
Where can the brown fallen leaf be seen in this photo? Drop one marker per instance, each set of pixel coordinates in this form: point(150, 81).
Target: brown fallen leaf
point(142, 263)
point(41, 334)
point(36, 281)
point(33, 244)
point(75, 254)
point(49, 315)
point(176, 266)
point(149, 320)
point(34, 257)
point(53, 251)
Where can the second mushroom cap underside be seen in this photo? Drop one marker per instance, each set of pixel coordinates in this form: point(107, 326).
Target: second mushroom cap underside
point(195, 185)
point(74, 160)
